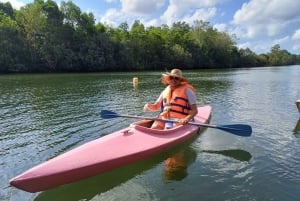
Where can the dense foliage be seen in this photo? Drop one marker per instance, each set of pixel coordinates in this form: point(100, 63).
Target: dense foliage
point(45, 37)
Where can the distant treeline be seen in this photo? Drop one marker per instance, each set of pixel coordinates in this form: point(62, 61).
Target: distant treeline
point(45, 37)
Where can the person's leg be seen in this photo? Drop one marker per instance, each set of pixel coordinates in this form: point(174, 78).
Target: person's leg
point(158, 125)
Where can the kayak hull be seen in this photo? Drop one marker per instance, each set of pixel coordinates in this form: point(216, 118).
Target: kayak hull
point(106, 153)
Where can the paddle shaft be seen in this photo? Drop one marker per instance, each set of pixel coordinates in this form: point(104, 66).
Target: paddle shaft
point(237, 129)
point(169, 120)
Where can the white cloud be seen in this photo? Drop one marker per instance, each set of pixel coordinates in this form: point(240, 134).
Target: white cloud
point(112, 17)
point(261, 46)
point(296, 46)
point(195, 3)
point(257, 46)
point(296, 35)
point(15, 3)
point(267, 17)
point(153, 22)
point(189, 10)
point(221, 27)
point(281, 40)
point(200, 14)
point(244, 45)
point(141, 7)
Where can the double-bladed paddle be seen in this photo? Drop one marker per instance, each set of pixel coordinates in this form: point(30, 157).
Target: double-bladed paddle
point(236, 129)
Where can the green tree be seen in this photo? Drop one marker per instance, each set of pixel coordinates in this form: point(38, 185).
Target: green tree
point(155, 47)
point(7, 9)
point(45, 37)
point(32, 22)
point(53, 45)
point(71, 13)
point(278, 57)
point(13, 54)
point(203, 36)
point(180, 37)
point(247, 58)
point(135, 46)
point(274, 56)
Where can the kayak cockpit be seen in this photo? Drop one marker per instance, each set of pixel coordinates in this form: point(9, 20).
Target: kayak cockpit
point(143, 123)
point(144, 126)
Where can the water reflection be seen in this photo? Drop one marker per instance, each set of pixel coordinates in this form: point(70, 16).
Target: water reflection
point(297, 129)
point(176, 165)
point(237, 154)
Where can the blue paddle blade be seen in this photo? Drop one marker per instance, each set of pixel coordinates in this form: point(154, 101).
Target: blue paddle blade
point(237, 129)
point(106, 114)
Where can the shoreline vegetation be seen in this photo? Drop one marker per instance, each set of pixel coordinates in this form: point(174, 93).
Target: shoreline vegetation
point(43, 37)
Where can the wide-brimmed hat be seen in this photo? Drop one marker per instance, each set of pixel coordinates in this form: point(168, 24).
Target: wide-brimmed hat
point(175, 73)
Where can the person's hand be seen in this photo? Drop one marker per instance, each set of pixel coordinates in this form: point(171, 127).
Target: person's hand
point(146, 107)
point(184, 120)
point(150, 107)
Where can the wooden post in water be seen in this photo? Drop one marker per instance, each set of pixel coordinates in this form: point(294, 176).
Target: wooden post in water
point(298, 105)
point(135, 82)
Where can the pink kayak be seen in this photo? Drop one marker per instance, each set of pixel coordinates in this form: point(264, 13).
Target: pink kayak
point(109, 152)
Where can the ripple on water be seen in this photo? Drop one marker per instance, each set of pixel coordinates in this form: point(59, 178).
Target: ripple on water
point(131, 190)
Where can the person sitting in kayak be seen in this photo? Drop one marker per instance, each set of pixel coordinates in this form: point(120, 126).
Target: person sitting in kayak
point(177, 101)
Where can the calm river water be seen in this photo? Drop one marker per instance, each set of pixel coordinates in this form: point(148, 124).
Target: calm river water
point(42, 116)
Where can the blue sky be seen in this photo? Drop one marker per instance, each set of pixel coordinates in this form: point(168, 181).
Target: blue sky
point(257, 24)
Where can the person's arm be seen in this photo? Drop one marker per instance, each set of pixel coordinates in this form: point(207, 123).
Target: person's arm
point(153, 106)
point(194, 109)
point(193, 112)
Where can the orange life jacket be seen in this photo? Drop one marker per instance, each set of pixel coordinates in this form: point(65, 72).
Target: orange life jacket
point(175, 102)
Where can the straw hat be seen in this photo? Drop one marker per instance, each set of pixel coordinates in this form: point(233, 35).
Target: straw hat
point(175, 73)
